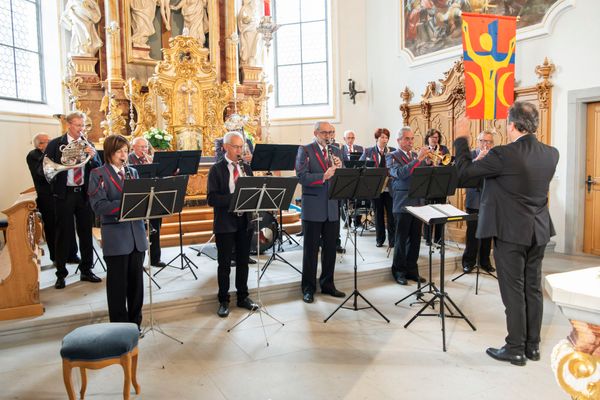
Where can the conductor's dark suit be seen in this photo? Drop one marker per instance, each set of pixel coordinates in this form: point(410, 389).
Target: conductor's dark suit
point(320, 217)
point(514, 211)
point(229, 229)
point(45, 204)
point(72, 211)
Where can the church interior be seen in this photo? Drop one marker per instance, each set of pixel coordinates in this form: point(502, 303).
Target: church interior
point(184, 73)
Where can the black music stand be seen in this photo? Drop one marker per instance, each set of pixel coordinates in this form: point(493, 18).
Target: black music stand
point(354, 162)
point(144, 199)
point(432, 215)
point(276, 157)
point(146, 170)
point(261, 194)
point(357, 184)
point(180, 163)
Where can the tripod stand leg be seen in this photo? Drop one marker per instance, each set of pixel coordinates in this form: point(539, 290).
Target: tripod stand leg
point(461, 313)
point(421, 310)
point(372, 306)
point(353, 294)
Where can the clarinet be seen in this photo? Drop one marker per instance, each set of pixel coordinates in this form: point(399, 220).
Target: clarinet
point(128, 174)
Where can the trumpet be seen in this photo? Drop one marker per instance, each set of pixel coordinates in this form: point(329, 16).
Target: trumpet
point(73, 156)
point(437, 158)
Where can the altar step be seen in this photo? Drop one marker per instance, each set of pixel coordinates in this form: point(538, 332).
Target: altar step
point(197, 225)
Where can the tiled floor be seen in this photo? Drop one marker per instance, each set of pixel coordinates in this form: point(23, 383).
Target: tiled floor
point(356, 355)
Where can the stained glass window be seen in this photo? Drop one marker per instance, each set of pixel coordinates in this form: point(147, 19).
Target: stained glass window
point(301, 53)
point(21, 67)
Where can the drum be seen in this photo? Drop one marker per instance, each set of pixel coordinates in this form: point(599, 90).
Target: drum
point(269, 231)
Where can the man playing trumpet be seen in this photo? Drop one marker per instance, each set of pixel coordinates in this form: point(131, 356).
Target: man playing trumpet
point(73, 211)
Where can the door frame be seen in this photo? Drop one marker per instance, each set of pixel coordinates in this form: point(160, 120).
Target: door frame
point(575, 171)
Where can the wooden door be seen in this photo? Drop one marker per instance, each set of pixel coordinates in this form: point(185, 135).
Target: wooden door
point(591, 237)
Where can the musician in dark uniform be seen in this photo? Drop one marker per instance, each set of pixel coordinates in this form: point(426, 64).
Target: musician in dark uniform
point(402, 163)
point(350, 147)
point(514, 211)
point(44, 200)
point(140, 155)
point(383, 205)
point(123, 243)
point(230, 228)
point(71, 202)
point(315, 165)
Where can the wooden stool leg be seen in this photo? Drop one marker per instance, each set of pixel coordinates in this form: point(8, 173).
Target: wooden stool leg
point(126, 364)
point(83, 382)
point(67, 379)
point(136, 386)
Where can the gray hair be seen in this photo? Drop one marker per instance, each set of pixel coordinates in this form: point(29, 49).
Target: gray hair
point(485, 132)
point(230, 135)
point(36, 138)
point(400, 133)
point(139, 138)
point(318, 124)
point(524, 116)
point(74, 114)
point(347, 132)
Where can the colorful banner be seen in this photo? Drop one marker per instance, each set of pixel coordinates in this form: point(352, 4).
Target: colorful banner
point(489, 61)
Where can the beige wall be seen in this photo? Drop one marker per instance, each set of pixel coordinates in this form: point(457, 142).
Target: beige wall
point(16, 131)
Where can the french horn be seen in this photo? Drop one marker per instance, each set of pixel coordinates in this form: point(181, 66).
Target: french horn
point(73, 156)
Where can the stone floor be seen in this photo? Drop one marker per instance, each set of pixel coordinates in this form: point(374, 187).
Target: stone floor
point(355, 355)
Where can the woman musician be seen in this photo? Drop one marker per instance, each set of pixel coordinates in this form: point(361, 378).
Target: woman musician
point(433, 139)
point(123, 243)
point(382, 205)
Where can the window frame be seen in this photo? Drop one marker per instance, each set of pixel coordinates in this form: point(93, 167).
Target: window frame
point(39, 52)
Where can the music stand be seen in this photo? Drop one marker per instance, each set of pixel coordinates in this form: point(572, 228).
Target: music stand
point(146, 170)
point(357, 184)
point(435, 214)
point(181, 163)
point(257, 194)
point(276, 157)
point(144, 199)
point(356, 163)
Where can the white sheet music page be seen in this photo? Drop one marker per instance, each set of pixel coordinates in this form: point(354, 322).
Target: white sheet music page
point(426, 213)
point(449, 210)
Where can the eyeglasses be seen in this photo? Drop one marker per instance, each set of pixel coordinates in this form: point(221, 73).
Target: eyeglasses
point(327, 132)
point(235, 146)
point(486, 141)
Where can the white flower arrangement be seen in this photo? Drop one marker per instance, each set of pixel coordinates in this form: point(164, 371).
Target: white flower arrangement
point(158, 138)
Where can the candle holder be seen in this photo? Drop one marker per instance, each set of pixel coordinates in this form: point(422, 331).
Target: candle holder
point(352, 92)
point(267, 28)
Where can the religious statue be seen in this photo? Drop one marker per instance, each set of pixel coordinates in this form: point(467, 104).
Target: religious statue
point(195, 18)
point(190, 138)
point(80, 17)
point(249, 37)
point(142, 20)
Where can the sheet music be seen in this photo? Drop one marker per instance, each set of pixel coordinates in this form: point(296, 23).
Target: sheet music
point(426, 213)
point(449, 210)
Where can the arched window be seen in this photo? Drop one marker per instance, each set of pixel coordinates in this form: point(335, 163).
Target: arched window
point(21, 66)
point(302, 64)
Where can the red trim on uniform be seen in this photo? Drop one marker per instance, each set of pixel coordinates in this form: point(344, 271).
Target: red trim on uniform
point(119, 188)
point(415, 166)
point(319, 182)
point(321, 162)
point(115, 210)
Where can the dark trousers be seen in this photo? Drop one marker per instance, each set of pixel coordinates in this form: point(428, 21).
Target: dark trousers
point(125, 287)
point(325, 234)
point(437, 229)
point(155, 224)
point(225, 243)
point(384, 206)
point(474, 247)
point(519, 270)
point(45, 205)
point(408, 243)
point(73, 213)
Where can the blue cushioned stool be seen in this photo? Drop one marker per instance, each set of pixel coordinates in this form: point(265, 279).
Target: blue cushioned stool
point(97, 346)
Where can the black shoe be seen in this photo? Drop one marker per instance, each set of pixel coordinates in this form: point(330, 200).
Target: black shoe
point(74, 260)
point(308, 297)
point(416, 278)
point(301, 233)
point(532, 353)
point(89, 277)
point(233, 264)
point(60, 283)
point(334, 293)
point(468, 269)
point(248, 304)
point(503, 355)
point(488, 268)
point(252, 260)
point(391, 245)
point(428, 242)
point(223, 310)
point(379, 244)
point(160, 265)
point(340, 249)
point(400, 278)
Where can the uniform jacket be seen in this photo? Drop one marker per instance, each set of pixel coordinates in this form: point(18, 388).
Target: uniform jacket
point(220, 152)
point(105, 192)
point(35, 160)
point(401, 169)
point(310, 168)
point(220, 198)
point(346, 153)
point(473, 195)
point(514, 200)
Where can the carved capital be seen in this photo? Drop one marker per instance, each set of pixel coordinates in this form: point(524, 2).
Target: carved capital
point(426, 110)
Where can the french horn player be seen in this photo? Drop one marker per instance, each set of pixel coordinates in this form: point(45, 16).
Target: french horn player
point(73, 157)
